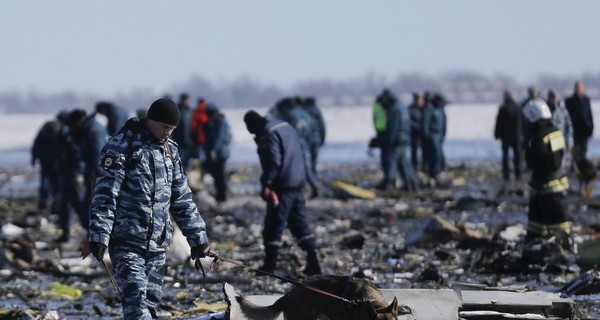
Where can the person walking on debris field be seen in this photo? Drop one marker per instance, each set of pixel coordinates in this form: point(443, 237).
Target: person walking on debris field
point(140, 185)
point(562, 121)
point(80, 153)
point(395, 140)
point(547, 215)
point(416, 132)
point(580, 110)
point(44, 149)
point(318, 129)
point(183, 133)
point(218, 138)
point(434, 131)
point(509, 130)
point(290, 111)
point(282, 181)
point(116, 116)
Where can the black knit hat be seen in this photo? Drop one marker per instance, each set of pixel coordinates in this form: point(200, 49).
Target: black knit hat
point(254, 121)
point(165, 111)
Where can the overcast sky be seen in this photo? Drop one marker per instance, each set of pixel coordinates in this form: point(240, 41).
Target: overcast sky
point(110, 46)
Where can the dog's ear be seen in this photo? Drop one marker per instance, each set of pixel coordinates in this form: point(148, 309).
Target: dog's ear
point(391, 309)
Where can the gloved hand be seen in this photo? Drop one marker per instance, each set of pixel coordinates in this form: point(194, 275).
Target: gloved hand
point(200, 251)
point(98, 250)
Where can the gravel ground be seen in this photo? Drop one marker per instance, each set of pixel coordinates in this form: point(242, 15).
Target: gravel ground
point(381, 239)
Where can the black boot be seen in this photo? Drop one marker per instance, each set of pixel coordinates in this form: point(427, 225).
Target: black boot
point(269, 263)
point(312, 264)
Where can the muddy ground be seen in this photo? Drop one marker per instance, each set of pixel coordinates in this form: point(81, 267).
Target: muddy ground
point(382, 239)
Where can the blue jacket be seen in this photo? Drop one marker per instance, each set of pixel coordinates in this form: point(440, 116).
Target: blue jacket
point(318, 129)
point(398, 126)
point(280, 156)
point(183, 133)
point(434, 121)
point(116, 116)
point(92, 137)
point(140, 184)
point(218, 134)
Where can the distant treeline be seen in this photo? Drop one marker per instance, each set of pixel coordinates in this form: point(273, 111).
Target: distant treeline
point(459, 87)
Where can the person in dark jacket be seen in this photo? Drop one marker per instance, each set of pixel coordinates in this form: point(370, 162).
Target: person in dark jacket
point(183, 133)
point(580, 110)
point(509, 130)
point(416, 132)
point(80, 150)
point(116, 116)
point(44, 151)
point(282, 181)
point(218, 138)
point(434, 132)
point(140, 188)
point(547, 213)
point(396, 141)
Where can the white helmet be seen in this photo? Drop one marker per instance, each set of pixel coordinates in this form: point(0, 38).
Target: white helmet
point(536, 109)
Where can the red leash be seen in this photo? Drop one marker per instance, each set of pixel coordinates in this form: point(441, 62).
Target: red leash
point(216, 257)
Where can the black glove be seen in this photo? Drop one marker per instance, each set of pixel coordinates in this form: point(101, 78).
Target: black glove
point(200, 251)
point(98, 250)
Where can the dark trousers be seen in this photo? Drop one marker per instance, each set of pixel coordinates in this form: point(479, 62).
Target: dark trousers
point(309, 165)
point(71, 200)
point(49, 187)
point(434, 154)
point(516, 152)
point(397, 162)
point(582, 145)
point(216, 168)
point(546, 213)
point(290, 211)
point(415, 145)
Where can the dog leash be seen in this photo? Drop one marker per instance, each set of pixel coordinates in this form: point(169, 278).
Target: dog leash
point(216, 257)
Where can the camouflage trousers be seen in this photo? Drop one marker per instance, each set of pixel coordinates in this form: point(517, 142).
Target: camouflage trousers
point(140, 275)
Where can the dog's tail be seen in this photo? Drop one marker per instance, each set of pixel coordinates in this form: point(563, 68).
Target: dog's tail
point(254, 312)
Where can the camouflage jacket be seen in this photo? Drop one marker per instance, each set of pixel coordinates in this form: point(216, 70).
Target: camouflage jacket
point(140, 181)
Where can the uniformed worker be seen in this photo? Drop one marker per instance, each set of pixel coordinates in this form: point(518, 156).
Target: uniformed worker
point(318, 131)
point(282, 181)
point(140, 186)
point(547, 215)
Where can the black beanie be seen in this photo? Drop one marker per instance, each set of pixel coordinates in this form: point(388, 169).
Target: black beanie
point(254, 121)
point(165, 111)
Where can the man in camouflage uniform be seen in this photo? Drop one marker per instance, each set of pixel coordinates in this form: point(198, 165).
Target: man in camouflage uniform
point(140, 184)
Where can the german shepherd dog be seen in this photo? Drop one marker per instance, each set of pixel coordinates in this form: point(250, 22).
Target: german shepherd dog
point(302, 303)
point(586, 174)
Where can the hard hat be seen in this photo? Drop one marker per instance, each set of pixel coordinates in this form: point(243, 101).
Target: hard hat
point(536, 109)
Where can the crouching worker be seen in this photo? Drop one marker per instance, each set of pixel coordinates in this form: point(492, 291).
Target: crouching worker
point(544, 152)
point(139, 185)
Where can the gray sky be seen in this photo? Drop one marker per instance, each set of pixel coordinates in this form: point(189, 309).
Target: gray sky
point(110, 46)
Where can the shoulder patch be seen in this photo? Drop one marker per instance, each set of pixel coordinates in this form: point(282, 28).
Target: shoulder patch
point(108, 161)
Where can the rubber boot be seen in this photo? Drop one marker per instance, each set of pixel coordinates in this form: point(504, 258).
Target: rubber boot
point(312, 264)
